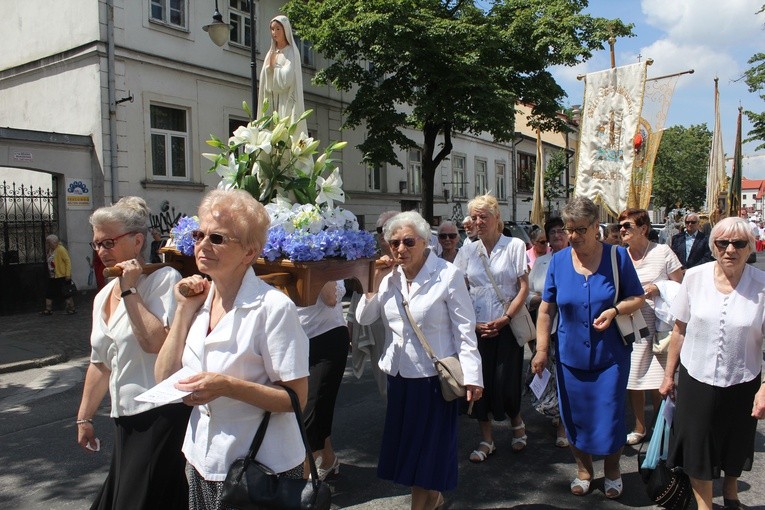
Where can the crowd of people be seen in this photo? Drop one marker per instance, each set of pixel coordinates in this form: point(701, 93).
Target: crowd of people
point(243, 342)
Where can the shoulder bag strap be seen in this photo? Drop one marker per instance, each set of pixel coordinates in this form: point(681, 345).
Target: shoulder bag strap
point(486, 267)
point(418, 331)
point(615, 270)
point(301, 425)
point(258, 439)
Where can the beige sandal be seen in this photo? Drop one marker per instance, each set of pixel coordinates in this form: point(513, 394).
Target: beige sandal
point(519, 443)
point(477, 456)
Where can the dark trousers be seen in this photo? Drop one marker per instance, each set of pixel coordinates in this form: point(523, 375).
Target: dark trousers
point(327, 358)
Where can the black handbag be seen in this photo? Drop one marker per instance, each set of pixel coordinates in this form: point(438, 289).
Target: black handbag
point(68, 289)
point(668, 488)
point(250, 485)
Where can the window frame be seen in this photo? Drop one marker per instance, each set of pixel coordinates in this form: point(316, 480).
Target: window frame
point(165, 20)
point(241, 25)
point(374, 182)
point(169, 134)
point(526, 165)
point(306, 50)
point(414, 171)
point(459, 181)
point(500, 180)
point(481, 176)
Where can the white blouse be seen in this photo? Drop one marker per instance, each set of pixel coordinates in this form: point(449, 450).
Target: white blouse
point(507, 263)
point(723, 339)
point(440, 304)
point(115, 345)
point(259, 340)
point(319, 318)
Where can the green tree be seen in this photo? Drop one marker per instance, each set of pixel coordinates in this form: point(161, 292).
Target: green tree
point(680, 169)
point(553, 184)
point(755, 80)
point(446, 66)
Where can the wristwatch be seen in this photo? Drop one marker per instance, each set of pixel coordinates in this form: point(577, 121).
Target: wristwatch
point(126, 293)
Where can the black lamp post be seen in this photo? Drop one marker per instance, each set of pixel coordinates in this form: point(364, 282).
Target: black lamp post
point(219, 33)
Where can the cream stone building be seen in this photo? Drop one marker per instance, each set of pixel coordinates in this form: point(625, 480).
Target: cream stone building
point(118, 97)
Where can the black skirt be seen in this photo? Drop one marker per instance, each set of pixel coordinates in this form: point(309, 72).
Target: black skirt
point(148, 467)
point(502, 366)
point(713, 429)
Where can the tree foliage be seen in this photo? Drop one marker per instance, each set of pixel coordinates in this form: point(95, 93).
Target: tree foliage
point(755, 80)
point(446, 66)
point(554, 186)
point(680, 169)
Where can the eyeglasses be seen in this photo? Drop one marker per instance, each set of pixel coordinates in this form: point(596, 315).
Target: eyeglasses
point(556, 232)
point(408, 242)
point(449, 235)
point(691, 222)
point(541, 241)
point(379, 230)
point(108, 244)
point(215, 238)
point(579, 230)
point(722, 244)
point(626, 225)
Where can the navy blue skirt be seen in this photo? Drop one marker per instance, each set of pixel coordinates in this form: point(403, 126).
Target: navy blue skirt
point(419, 443)
point(593, 406)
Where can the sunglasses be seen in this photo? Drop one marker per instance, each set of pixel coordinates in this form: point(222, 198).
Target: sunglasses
point(108, 244)
point(215, 238)
point(579, 230)
point(447, 236)
point(541, 241)
point(409, 242)
point(626, 225)
point(691, 222)
point(379, 230)
point(722, 244)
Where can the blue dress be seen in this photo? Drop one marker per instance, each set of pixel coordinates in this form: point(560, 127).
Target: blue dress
point(593, 366)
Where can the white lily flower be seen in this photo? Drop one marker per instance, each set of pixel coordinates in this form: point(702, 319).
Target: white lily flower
point(228, 173)
point(330, 189)
point(252, 138)
point(303, 144)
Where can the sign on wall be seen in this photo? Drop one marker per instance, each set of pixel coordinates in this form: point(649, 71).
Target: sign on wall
point(79, 194)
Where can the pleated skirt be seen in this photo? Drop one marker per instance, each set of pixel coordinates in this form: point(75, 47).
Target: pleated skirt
point(148, 468)
point(713, 430)
point(419, 443)
point(592, 407)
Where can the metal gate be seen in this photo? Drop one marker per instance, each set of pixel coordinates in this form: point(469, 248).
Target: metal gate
point(27, 216)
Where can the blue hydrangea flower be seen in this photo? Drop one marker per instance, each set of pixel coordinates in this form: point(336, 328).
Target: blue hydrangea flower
point(182, 234)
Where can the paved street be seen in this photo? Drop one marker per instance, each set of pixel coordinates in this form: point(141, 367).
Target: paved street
point(43, 468)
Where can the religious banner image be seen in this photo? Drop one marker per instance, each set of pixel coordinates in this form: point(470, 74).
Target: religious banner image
point(613, 101)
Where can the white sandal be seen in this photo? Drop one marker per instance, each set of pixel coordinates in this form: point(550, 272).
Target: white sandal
point(581, 485)
point(482, 455)
point(519, 440)
point(613, 485)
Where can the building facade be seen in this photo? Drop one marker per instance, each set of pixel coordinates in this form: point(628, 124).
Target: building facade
point(147, 87)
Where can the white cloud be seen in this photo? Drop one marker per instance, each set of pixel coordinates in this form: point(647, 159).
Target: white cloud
point(670, 57)
point(754, 167)
point(707, 22)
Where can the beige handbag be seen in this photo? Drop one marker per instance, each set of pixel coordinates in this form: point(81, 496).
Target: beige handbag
point(449, 370)
point(661, 342)
point(632, 326)
point(521, 324)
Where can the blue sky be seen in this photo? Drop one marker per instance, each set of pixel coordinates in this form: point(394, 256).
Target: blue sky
point(713, 37)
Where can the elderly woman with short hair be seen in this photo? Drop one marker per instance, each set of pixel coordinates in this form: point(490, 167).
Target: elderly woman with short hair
point(502, 356)
point(419, 444)
point(243, 340)
point(131, 316)
point(59, 273)
point(448, 238)
point(720, 316)
point(593, 360)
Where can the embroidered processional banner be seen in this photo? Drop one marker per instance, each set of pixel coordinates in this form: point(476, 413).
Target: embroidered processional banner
point(613, 101)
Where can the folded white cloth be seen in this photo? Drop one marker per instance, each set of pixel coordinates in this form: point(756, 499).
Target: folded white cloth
point(668, 289)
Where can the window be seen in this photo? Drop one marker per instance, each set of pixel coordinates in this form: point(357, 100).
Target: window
point(526, 165)
point(169, 12)
point(239, 19)
point(481, 179)
point(459, 188)
point(169, 138)
point(499, 169)
point(414, 171)
point(306, 52)
point(374, 177)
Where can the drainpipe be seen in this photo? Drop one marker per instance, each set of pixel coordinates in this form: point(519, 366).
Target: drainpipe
point(112, 100)
point(513, 169)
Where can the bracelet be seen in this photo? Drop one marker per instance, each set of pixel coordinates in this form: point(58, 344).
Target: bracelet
point(509, 317)
point(617, 310)
point(83, 421)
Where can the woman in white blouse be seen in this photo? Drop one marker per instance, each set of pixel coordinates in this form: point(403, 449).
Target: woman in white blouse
point(502, 356)
point(243, 341)
point(717, 343)
point(654, 263)
point(131, 315)
point(419, 444)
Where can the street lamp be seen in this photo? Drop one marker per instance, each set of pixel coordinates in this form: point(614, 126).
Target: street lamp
point(219, 32)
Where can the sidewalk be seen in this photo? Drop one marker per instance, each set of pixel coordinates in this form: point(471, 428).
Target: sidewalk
point(31, 340)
